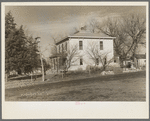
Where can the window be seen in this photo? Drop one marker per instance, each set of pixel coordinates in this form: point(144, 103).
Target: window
point(54, 63)
point(114, 61)
point(105, 60)
point(62, 47)
point(81, 61)
point(59, 48)
point(80, 45)
point(66, 46)
point(101, 45)
point(97, 61)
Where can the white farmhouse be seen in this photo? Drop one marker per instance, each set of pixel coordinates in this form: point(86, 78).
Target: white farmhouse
point(87, 46)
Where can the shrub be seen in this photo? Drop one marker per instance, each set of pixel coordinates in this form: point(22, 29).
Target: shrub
point(79, 71)
point(143, 68)
point(114, 65)
point(88, 68)
point(117, 70)
point(94, 69)
point(109, 68)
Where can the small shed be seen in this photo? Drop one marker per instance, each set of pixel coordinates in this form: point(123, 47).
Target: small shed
point(140, 60)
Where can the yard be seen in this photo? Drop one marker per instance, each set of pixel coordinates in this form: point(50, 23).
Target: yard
point(121, 87)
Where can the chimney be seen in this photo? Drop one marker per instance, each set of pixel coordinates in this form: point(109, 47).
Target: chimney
point(83, 28)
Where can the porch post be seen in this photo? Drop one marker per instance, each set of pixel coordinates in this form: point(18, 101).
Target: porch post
point(58, 63)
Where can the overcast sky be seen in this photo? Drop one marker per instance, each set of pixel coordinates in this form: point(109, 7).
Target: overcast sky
point(54, 20)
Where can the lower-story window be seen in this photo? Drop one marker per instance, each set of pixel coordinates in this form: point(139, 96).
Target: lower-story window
point(54, 63)
point(97, 61)
point(81, 61)
point(105, 60)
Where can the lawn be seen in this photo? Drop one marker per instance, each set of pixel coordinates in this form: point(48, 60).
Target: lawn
point(122, 87)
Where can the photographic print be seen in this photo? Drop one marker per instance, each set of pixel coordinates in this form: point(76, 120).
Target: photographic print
point(75, 53)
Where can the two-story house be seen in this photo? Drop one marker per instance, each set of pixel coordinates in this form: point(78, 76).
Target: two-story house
point(89, 46)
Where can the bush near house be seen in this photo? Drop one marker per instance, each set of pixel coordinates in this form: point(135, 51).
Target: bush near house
point(117, 70)
point(143, 68)
point(94, 69)
point(109, 68)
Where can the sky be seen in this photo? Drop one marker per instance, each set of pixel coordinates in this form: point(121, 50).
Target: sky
point(55, 21)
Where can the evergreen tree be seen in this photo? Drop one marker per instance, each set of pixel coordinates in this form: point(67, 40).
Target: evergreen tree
point(10, 28)
point(32, 57)
point(10, 25)
point(20, 50)
point(15, 50)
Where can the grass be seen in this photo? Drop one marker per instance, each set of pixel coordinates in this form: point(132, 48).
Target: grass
point(22, 81)
point(123, 87)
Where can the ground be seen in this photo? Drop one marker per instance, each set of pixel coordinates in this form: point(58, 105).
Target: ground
point(121, 87)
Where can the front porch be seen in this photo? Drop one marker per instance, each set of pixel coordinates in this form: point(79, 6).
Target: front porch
point(58, 62)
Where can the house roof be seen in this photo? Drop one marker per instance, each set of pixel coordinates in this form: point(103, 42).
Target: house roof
point(58, 55)
point(85, 34)
point(140, 56)
point(90, 35)
point(62, 40)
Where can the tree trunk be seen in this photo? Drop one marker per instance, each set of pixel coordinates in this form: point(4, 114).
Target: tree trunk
point(6, 77)
point(125, 65)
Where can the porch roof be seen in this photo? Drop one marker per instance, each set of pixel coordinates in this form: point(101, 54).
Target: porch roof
point(58, 55)
point(55, 55)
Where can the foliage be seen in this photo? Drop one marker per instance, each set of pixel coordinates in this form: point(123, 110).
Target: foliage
point(117, 70)
point(20, 50)
point(32, 58)
point(10, 25)
point(109, 68)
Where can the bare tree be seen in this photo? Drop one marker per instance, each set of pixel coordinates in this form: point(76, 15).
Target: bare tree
point(112, 27)
point(135, 27)
point(97, 56)
point(54, 47)
point(128, 31)
point(70, 56)
point(93, 24)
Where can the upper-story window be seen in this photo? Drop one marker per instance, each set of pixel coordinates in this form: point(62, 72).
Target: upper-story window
point(66, 46)
point(101, 45)
point(80, 45)
point(59, 48)
point(62, 47)
point(54, 63)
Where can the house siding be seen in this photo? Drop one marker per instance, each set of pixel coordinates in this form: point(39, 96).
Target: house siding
point(86, 42)
point(107, 48)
